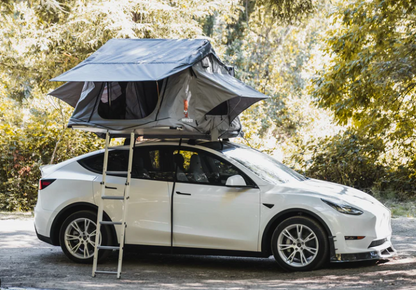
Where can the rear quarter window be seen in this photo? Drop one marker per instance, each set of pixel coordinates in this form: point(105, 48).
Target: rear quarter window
point(117, 161)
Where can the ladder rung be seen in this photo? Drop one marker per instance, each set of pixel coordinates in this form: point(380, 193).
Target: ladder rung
point(108, 248)
point(116, 172)
point(112, 197)
point(105, 272)
point(110, 223)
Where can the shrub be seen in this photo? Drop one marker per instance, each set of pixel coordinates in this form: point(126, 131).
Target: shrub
point(32, 138)
point(347, 158)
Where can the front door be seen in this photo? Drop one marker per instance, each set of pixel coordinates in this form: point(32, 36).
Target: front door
point(208, 214)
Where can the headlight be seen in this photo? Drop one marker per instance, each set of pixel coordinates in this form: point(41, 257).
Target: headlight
point(343, 208)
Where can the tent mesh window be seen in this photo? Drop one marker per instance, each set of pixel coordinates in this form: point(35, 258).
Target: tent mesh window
point(221, 109)
point(128, 100)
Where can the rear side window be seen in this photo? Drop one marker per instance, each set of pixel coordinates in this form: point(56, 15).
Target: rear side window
point(117, 161)
point(153, 163)
point(148, 163)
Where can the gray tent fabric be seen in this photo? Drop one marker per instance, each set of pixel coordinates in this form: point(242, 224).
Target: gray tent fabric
point(194, 95)
point(138, 60)
point(69, 92)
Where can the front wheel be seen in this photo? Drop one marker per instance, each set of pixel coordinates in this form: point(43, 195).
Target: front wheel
point(300, 244)
point(77, 237)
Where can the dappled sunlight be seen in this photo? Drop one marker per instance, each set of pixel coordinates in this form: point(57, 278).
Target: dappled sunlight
point(16, 240)
point(18, 234)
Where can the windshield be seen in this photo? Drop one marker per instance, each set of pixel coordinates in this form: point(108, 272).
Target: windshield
point(264, 166)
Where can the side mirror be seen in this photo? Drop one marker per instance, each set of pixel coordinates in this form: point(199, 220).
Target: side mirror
point(236, 181)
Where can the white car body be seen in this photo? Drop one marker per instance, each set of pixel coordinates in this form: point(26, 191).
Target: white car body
point(216, 217)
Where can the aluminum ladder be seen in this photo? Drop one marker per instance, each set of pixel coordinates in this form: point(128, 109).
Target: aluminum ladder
point(105, 197)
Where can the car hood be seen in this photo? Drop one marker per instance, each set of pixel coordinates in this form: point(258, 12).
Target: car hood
point(335, 192)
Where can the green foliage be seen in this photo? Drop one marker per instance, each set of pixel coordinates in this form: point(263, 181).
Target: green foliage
point(278, 60)
point(347, 158)
point(369, 83)
point(354, 159)
point(398, 208)
point(370, 79)
point(400, 178)
point(288, 12)
point(31, 137)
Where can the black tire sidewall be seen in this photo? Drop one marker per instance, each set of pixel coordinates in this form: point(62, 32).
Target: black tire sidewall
point(320, 234)
point(105, 236)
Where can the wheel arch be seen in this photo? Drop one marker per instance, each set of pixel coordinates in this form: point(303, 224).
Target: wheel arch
point(283, 215)
point(70, 209)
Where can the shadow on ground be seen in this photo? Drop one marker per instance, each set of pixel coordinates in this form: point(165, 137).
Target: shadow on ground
point(26, 262)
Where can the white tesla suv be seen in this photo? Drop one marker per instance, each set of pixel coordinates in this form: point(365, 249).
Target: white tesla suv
point(212, 198)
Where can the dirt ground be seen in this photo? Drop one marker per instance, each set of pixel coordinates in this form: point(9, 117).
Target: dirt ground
point(26, 262)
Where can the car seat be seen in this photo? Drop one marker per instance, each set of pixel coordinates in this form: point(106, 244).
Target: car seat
point(180, 174)
point(197, 171)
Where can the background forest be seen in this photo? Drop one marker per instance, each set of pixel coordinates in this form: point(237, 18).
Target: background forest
point(340, 76)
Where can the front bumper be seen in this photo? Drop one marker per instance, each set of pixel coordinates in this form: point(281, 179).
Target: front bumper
point(382, 252)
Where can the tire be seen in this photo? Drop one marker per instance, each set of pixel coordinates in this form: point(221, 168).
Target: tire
point(300, 244)
point(77, 238)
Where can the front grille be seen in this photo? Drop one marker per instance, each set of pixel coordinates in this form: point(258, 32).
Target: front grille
point(376, 243)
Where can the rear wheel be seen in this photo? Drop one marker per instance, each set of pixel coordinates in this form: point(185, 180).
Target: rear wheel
point(77, 237)
point(300, 244)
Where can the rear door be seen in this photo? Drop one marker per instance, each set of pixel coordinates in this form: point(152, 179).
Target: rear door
point(148, 216)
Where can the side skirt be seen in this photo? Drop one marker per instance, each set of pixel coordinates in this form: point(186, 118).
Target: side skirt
point(192, 251)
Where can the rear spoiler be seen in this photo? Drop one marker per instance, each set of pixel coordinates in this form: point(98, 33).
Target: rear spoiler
point(45, 169)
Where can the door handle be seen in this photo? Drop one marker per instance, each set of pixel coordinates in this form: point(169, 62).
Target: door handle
point(182, 193)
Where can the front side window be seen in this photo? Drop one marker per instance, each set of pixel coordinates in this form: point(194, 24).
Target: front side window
point(202, 167)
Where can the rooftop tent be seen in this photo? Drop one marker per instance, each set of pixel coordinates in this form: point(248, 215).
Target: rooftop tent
point(156, 87)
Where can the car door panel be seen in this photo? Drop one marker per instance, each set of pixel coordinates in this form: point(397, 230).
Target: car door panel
point(148, 212)
point(208, 214)
point(148, 216)
point(216, 217)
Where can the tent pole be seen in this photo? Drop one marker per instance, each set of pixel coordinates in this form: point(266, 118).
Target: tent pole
point(157, 88)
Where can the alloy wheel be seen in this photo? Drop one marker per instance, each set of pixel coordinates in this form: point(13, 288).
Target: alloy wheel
point(80, 237)
point(297, 245)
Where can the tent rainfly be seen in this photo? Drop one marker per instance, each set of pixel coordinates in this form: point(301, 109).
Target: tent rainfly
point(158, 88)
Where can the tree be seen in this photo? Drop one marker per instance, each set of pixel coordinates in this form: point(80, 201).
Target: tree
point(369, 83)
point(276, 59)
point(370, 79)
point(289, 12)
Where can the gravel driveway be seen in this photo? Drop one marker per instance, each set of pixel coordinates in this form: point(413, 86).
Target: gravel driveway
point(26, 262)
